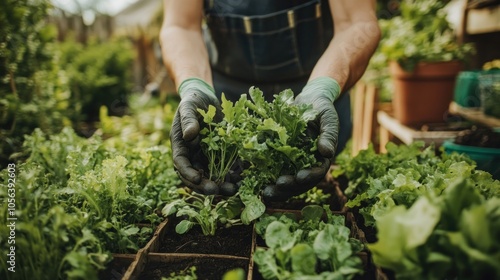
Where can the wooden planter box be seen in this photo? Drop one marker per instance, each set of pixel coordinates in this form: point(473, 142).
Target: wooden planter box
point(208, 266)
point(125, 266)
point(166, 253)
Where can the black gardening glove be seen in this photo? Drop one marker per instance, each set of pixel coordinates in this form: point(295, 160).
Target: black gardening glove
point(189, 161)
point(321, 93)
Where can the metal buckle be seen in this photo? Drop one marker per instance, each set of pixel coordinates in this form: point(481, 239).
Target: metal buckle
point(248, 25)
point(291, 18)
point(318, 10)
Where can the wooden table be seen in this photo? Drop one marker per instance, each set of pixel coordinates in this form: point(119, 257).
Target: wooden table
point(474, 115)
point(389, 125)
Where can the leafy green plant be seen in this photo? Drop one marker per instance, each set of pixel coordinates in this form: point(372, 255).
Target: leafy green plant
point(379, 182)
point(421, 34)
point(453, 236)
point(201, 210)
point(33, 86)
point(268, 138)
point(51, 241)
point(314, 196)
point(308, 248)
point(187, 274)
point(99, 74)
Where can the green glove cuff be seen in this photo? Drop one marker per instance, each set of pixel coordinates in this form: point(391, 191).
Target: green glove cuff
point(323, 85)
point(197, 85)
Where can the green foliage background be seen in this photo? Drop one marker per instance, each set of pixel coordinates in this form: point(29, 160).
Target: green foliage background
point(49, 85)
point(33, 88)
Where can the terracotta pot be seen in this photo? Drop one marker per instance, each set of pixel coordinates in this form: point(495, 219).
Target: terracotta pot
point(424, 95)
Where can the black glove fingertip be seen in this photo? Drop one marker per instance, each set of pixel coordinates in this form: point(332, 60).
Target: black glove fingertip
point(284, 181)
point(269, 192)
point(209, 187)
point(228, 189)
point(326, 147)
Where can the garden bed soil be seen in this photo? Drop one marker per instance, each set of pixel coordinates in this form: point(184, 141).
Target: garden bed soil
point(117, 268)
point(206, 268)
point(336, 199)
point(369, 232)
point(479, 137)
point(234, 241)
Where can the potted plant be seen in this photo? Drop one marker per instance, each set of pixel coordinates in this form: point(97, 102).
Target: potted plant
point(424, 59)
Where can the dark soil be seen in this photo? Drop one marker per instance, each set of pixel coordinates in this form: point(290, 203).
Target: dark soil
point(479, 137)
point(206, 268)
point(235, 241)
point(115, 270)
point(298, 204)
point(370, 232)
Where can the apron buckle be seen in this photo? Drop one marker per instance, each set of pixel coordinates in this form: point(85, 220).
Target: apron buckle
point(291, 19)
point(248, 25)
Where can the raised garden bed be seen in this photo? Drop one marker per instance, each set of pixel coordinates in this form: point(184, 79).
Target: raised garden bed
point(169, 252)
point(207, 266)
point(234, 241)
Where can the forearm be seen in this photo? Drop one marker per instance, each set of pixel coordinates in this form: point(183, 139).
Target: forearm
point(184, 54)
point(348, 54)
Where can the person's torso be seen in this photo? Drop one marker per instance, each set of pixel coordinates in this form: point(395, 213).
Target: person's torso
point(267, 40)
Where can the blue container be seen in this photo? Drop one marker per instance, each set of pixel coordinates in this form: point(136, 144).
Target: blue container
point(487, 159)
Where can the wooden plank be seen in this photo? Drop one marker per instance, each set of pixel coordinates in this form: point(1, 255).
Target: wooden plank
point(474, 114)
point(384, 139)
point(357, 118)
point(368, 111)
point(169, 257)
point(409, 135)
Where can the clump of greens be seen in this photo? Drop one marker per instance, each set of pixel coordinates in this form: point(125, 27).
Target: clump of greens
point(314, 196)
point(268, 138)
point(379, 182)
point(453, 236)
point(309, 247)
point(186, 274)
point(203, 211)
point(421, 33)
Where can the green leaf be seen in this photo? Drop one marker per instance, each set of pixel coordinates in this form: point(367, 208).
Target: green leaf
point(312, 212)
point(254, 208)
point(234, 274)
point(278, 235)
point(209, 115)
point(183, 226)
point(303, 259)
point(400, 232)
point(227, 109)
point(131, 231)
point(171, 207)
point(270, 124)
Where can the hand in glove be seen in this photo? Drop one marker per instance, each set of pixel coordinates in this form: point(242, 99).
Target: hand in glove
point(189, 160)
point(321, 93)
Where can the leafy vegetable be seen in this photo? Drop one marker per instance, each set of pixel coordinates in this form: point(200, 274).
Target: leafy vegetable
point(268, 138)
point(379, 182)
point(187, 274)
point(79, 199)
point(452, 236)
point(308, 248)
point(201, 210)
point(421, 34)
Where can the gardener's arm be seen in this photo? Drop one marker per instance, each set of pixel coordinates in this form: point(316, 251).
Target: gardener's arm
point(355, 39)
point(186, 59)
point(341, 65)
point(183, 49)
